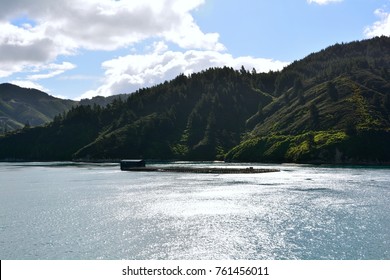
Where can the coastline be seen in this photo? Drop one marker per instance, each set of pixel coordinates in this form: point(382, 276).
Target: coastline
point(362, 163)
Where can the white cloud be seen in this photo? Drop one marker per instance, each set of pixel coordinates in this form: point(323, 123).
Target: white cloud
point(29, 84)
point(35, 48)
point(23, 47)
point(7, 69)
point(323, 2)
point(381, 27)
point(103, 24)
point(189, 35)
point(60, 28)
point(53, 70)
point(129, 73)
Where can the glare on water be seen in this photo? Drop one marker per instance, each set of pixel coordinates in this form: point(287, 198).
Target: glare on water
point(95, 211)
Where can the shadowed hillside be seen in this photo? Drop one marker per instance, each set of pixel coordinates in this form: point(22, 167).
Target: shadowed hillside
point(197, 117)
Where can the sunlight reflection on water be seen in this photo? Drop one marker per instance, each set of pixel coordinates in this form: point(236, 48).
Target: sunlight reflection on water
point(76, 211)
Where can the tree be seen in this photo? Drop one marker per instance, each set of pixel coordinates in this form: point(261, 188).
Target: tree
point(351, 129)
point(298, 86)
point(243, 70)
point(260, 108)
point(5, 126)
point(385, 73)
point(387, 101)
point(298, 90)
point(314, 114)
point(331, 90)
point(27, 125)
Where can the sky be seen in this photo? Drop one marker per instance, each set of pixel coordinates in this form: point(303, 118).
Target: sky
point(79, 49)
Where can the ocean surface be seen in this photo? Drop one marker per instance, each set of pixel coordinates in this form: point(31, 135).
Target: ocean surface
point(64, 210)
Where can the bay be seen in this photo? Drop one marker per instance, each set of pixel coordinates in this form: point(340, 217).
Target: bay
point(65, 210)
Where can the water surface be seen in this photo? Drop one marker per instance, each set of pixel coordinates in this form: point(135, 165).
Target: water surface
point(96, 211)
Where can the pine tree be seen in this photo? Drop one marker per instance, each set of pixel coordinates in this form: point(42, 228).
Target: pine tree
point(331, 90)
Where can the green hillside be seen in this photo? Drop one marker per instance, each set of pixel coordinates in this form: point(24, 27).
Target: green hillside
point(198, 117)
point(21, 106)
point(332, 106)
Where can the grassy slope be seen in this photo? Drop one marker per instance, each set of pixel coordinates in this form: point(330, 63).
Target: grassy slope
point(31, 106)
point(343, 100)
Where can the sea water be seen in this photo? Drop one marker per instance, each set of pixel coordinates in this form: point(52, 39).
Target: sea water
point(95, 211)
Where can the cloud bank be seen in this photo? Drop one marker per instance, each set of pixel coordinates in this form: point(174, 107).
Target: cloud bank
point(56, 28)
point(38, 36)
point(38, 39)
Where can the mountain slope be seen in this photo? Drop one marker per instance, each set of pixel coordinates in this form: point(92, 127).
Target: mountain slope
point(332, 106)
point(21, 106)
point(347, 85)
point(201, 117)
point(198, 118)
point(342, 89)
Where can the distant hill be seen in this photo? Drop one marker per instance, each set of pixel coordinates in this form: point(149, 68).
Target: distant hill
point(330, 107)
point(24, 106)
point(21, 106)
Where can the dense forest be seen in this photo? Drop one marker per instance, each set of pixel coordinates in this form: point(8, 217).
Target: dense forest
point(330, 107)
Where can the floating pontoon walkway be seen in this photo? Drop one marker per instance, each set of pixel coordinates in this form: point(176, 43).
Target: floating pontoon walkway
point(208, 170)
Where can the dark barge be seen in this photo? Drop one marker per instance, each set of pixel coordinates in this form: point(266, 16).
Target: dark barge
point(139, 166)
point(128, 164)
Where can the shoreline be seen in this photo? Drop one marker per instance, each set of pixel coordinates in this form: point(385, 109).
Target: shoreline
point(154, 161)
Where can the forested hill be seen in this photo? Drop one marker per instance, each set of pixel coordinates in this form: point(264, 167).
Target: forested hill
point(332, 106)
point(197, 117)
point(22, 106)
point(25, 106)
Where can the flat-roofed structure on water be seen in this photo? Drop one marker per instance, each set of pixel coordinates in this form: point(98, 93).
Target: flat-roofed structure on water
point(127, 164)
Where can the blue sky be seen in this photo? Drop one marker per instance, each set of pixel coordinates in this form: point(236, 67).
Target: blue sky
point(80, 49)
